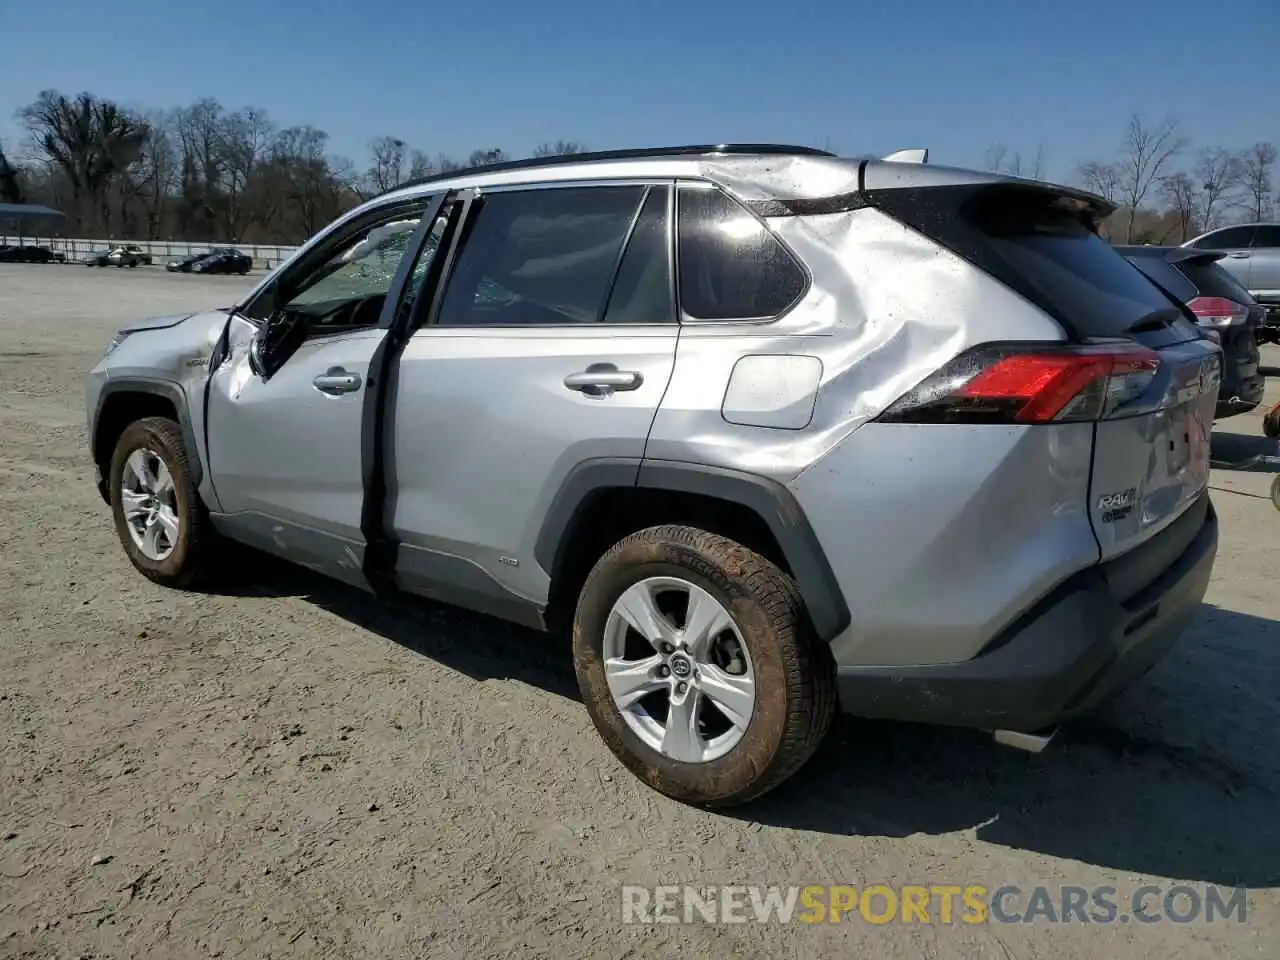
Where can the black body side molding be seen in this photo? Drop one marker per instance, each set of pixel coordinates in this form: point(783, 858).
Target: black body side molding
point(769, 500)
point(155, 387)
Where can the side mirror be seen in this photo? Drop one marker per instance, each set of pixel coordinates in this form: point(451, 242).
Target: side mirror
point(280, 335)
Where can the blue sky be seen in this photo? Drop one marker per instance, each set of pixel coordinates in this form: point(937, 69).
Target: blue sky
point(864, 76)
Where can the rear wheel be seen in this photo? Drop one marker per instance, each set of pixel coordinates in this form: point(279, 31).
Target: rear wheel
point(159, 518)
point(698, 666)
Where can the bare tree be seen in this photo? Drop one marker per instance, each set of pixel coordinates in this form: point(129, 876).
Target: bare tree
point(1033, 169)
point(388, 167)
point(90, 140)
point(561, 148)
point(995, 157)
point(420, 165)
point(1144, 155)
point(1183, 197)
point(480, 158)
point(1217, 175)
point(1257, 167)
point(246, 140)
point(10, 189)
point(1102, 178)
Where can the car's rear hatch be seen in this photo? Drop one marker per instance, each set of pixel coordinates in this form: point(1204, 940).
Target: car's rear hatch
point(1151, 435)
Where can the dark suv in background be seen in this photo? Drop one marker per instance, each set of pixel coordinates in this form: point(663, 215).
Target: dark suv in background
point(1221, 304)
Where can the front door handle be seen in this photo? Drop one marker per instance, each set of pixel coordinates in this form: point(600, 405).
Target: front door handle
point(1239, 254)
point(336, 381)
point(601, 379)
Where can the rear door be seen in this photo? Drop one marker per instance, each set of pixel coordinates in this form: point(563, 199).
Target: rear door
point(1264, 264)
point(551, 344)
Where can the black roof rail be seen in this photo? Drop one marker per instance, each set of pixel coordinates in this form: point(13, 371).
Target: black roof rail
point(637, 153)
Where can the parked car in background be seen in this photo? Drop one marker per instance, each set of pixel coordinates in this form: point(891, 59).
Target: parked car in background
point(768, 431)
point(120, 256)
point(1251, 253)
point(214, 260)
point(224, 261)
point(1221, 304)
point(31, 253)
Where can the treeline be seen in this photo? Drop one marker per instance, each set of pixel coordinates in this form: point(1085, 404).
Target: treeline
point(1165, 188)
point(204, 172)
point(200, 172)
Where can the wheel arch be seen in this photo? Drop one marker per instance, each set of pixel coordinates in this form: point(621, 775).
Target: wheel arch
point(127, 399)
point(755, 510)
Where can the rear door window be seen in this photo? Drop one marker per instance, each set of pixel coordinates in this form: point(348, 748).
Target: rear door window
point(1232, 238)
point(541, 257)
point(1267, 237)
point(731, 266)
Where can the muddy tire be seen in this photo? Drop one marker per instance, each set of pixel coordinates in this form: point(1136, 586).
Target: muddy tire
point(161, 523)
point(731, 749)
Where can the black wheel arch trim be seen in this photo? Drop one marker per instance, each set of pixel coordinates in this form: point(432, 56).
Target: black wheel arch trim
point(153, 386)
point(768, 499)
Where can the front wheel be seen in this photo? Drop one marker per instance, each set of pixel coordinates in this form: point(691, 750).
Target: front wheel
point(158, 515)
point(698, 666)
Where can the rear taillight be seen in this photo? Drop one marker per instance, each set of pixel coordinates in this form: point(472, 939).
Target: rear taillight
point(1218, 312)
point(1017, 384)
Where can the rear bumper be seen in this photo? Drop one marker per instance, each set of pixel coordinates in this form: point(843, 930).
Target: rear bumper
point(1091, 637)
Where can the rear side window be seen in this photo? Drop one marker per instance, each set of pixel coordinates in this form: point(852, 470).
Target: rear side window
point(643, 288)
point(732, 267)
point(543, 256)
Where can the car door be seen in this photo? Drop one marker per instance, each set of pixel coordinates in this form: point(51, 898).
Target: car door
point(1236, 243)
point(551, 343)
point(1264, 264)
point(286, 414)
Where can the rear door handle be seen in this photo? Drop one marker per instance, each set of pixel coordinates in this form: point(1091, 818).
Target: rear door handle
point(335, 381)
point(603, 378)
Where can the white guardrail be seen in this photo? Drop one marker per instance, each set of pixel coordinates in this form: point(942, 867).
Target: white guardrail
point(265, 256)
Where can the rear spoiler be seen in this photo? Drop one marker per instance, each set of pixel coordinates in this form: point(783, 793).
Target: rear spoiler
point(1172, 254)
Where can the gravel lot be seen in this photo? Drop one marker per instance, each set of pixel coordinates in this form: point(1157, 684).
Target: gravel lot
point(286, 769)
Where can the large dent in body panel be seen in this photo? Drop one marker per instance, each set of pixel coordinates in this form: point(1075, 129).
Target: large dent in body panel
point(886, 307)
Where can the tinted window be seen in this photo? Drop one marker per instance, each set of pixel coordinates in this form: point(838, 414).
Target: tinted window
point(539, 256)
point(731, 265)
point(1165, 274)
point(642, 291)
point(1231, 238)
point(1211, 280)
point(1079, 272)
point(1267, 237)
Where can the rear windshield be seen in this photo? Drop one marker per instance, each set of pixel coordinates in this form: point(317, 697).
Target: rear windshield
point(1211, 280)
point(1046, 252)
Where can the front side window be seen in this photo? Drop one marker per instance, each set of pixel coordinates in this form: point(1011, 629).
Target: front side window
point(731, 267)
point(540, 257)
point(350, 287)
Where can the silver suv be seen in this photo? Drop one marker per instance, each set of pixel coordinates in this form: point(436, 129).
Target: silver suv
point(768, 430)
point(1252, 255)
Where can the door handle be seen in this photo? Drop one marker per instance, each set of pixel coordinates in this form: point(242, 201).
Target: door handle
point(335, 381)
point(1239, 255)
point(600, 379)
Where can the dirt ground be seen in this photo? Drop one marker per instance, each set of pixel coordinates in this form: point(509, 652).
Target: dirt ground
point(286, 769)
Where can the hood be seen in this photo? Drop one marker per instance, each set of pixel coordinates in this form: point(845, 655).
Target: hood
point(157, 323)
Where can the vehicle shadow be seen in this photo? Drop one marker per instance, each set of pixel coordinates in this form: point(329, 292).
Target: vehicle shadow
point(1178, 778)
point(472, 644)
